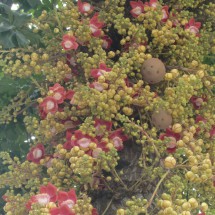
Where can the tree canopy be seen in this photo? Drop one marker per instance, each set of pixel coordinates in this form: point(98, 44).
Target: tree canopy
point(107, 107)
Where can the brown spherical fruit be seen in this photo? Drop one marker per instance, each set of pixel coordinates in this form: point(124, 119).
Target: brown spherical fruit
point(153, 71)
point(161, 119)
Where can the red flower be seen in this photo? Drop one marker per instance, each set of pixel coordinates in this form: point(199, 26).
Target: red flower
point(5, 198)
point(96, 85)
point(175, 21)
point(99, 123)
point(51, 190)
point(137, 8)
point(42, 113)
point(106, 42)
point(69, 42)
point(197, 101)
point(94, 211)
point(67, 198)
point(48, 105)
point(70, 94)
point(47, 194)
point(62, 210)
point(193, 26)
point(96, 25)
point(85, 7)
point(171, 145)
point(101, 147)
point(95, 73)
point(70, 60)
point(212, 132)
point(81, 140)
point(134, 45)
point(58, 93)
point(165, 13)
point(202, 213)
point(118, 138)
point(200, 119)
point(153, 3)
point(67, 145)
point(36, 153)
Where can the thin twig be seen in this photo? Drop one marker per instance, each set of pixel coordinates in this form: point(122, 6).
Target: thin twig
point(106, 209)
point(156, 189)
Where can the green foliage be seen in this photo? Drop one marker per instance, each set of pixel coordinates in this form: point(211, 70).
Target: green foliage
point(14, 31)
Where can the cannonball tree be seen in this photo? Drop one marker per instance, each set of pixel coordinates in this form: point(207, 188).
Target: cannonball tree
point(118, 102)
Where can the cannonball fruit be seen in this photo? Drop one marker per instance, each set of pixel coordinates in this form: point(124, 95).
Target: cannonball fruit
point(153, 70)
point(161, 119)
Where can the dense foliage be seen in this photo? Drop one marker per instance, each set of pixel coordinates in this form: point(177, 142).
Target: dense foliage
point(107, 107)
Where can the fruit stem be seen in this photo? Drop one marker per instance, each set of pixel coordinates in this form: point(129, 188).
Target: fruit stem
point(156, 189)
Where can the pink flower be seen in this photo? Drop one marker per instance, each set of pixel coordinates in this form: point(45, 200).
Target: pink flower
point(212, 132)
point(81, 140)
point(58, 93)
point(175, 21)
point(193, 26)
point(165, 13)
point(171, 145)
point(101, 147)
point(137, 8)
point(202, 213)
point(98, 123)
point(94, 211)
point(49, 105)
point(36, 153)
point(85, 7)
point(5, 198)
point(51, 190)
point(69, 42)
point(197, 101)
point(96, 25)
point(70, 94)
point(67, 198)
point(118, 138)
point(47, 194)
point(153, 3)
point(70, 60)
point(133, 45)
point(95, 73)
point(96, 85)
point(67, 144)
point(62, 210)
point(106, 42)
point(200, 119)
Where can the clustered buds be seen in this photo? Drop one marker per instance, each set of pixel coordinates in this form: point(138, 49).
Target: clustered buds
point(123, 98)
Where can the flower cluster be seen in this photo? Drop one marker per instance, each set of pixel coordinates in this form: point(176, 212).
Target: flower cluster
point(94, 145)
point(62, 202)
point(57, 95)
point(121, 105)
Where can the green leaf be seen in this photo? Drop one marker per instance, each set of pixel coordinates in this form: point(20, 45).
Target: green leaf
point(6, 11)
point(20, 19)
point(12, 138)
point(5, 26)
point(7, 39)
point(11, 86)
point(21, 39)
point(34, 38)
point(34, 3)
